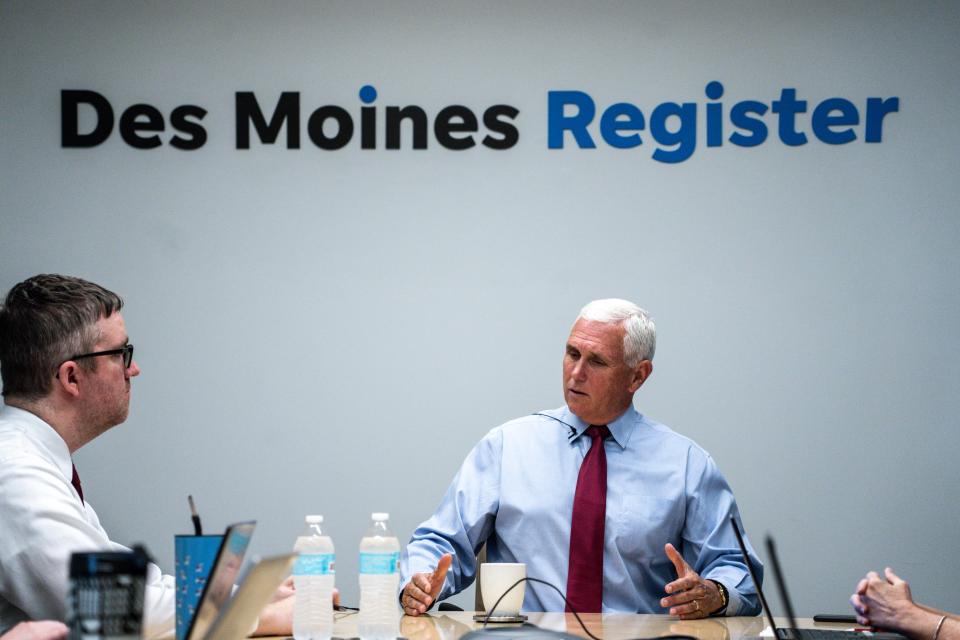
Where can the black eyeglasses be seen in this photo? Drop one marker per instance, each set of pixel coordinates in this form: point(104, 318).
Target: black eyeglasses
point(126, 350)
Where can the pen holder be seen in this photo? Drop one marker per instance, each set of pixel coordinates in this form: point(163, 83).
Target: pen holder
point(194, 557)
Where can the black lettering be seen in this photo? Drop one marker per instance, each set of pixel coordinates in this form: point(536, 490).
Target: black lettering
point(197, 134)
point(418, 119)
point(497, 119)
point(287, 111)
point(344, 127)
point(70, 136)
point(368, 127)
point(455, 119)
point(131, 122)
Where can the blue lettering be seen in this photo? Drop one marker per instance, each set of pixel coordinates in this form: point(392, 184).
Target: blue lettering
point(714, 91)
point(558, 122)
point(685, 136)
point(740, 118)
point(877, 108)
point(618, 117)
point(823, 121)
point(788, 107)
point(673, 126)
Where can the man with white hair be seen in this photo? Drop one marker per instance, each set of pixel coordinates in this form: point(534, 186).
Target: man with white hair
point(614, 509)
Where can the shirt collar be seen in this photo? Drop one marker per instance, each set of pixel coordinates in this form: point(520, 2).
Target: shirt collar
point(620, 429)
point(43, 434)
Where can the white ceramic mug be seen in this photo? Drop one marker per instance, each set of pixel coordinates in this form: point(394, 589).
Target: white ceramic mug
point(497, 577)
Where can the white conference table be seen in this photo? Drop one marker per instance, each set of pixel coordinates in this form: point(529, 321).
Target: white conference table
point(450, 625)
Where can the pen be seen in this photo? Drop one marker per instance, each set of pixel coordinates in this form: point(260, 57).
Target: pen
point(197, 529)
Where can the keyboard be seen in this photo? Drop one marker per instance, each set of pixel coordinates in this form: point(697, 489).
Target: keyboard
point(831, 634)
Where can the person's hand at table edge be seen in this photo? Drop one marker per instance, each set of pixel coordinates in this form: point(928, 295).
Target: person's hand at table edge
point(690, 596)
point(421, 592)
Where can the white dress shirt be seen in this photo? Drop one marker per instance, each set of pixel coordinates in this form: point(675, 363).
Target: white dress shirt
point(43, 521)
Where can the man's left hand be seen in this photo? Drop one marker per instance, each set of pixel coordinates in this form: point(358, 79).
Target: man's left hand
point(690, 596)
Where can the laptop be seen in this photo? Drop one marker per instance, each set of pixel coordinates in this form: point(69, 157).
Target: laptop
point(237, 618)
point(792, 632)
point(219, 585)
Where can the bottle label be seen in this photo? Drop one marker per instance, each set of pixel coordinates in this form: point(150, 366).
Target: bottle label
point(379, 563)
point(314, 564)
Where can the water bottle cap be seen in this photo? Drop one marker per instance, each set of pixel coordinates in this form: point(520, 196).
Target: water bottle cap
point(379, 516)
point(314, 519)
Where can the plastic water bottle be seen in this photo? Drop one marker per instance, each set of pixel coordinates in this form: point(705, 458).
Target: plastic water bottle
point(313, 576)
point(379, 580)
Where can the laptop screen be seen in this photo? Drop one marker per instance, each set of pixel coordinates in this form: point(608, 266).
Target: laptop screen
point(753, 576)
point(220, 583)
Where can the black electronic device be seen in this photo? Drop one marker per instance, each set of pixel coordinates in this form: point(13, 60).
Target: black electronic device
point(792, 632)
point(520, 632)
point(835, 617)
point(106, 594)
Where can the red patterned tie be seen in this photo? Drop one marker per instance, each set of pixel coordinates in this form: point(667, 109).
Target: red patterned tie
point(585, 575)
point(75, 481)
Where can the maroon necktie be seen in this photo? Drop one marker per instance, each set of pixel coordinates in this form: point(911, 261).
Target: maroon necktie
point(585, 575)
point(75, 481)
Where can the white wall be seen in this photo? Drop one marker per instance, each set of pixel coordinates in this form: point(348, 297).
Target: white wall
point(332, 331)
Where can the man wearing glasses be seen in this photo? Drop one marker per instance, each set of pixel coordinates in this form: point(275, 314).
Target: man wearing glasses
point(66, 362)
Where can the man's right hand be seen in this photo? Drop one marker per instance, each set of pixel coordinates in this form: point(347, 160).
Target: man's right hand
point(424, 588)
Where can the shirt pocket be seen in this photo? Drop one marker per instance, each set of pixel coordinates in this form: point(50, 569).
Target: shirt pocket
point(643, 524)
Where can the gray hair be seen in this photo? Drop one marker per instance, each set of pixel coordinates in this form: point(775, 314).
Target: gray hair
point(640, 334)
point(44, 321)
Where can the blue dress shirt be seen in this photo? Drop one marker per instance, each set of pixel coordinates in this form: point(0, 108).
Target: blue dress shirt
point(515, 492)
